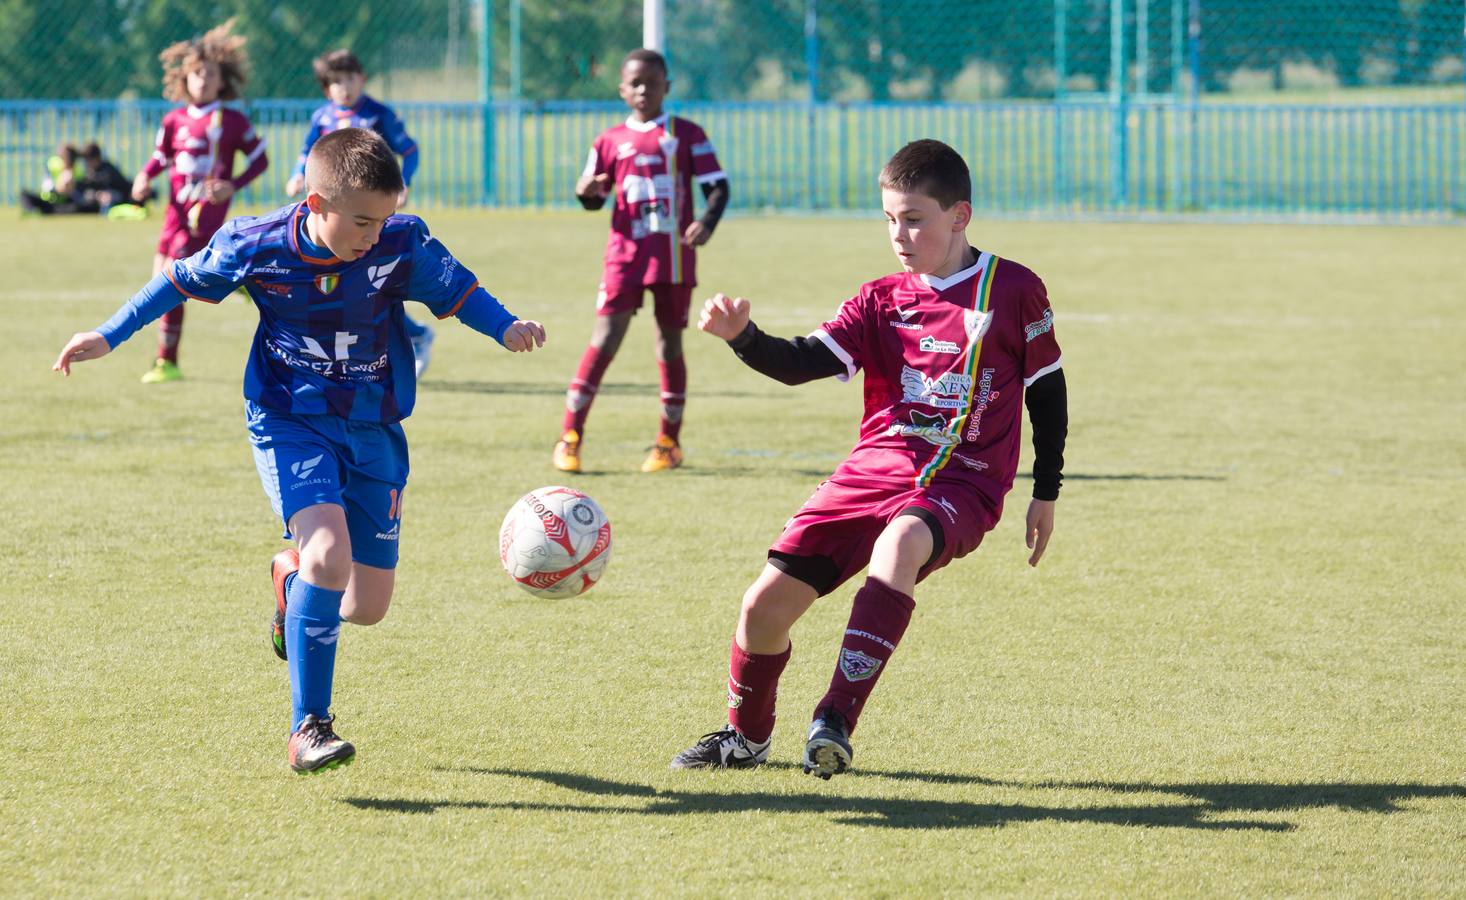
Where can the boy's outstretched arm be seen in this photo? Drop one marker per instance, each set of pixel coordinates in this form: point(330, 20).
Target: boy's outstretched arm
point(1047, 400)
point(156, 298)
point(792, 361)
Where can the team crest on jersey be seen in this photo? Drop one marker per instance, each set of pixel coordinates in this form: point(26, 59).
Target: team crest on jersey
point(857, 666)
point(976, 321)
point(932, 429)
point(327, 283)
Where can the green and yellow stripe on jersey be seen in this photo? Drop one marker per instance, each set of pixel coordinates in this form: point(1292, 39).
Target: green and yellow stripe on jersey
point(674, 212)
point(981, 292)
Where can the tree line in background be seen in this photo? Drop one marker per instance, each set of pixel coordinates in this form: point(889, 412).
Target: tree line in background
point(726, 49)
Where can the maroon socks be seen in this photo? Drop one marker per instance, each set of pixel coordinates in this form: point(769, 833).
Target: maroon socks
point(878, 619)
point(753, 685)
point(674, 395)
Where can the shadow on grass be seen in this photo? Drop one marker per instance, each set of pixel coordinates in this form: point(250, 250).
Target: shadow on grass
point(1202, 806)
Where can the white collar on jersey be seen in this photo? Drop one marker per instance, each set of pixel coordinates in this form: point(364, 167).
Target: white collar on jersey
point(941, 284)
point(198, 112)
point(646, 126)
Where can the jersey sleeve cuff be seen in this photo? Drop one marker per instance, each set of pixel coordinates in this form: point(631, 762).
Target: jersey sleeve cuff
point(840, 354)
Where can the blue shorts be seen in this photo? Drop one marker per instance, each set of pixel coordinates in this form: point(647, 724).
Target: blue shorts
point(359, 466)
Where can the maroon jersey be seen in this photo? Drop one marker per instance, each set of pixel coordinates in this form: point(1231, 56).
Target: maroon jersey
point(197, 143)
point(946, 361)
point(653, 166)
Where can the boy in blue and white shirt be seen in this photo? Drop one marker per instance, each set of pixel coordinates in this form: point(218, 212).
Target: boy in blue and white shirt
point(328, 381)
point(343, 80)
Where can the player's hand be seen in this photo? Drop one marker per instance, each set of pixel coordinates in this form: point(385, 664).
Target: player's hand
point(82, 346)
point(1038, 528)
point(696, 234)
point(523, 336)
point(141, 188)
point(218, 190)
point(724, 317)
point(593, 186)
point(295, 185)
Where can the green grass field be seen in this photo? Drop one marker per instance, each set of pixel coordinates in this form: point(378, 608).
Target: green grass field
point(1239, 670)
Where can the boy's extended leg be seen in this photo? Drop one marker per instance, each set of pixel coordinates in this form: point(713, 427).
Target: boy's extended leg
point(878, 619)
point(760, 650)
point(605, 340)
point(312, 628)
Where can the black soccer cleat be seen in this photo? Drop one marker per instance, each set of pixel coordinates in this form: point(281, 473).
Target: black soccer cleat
point(314, 747)
point(827, 751)
point(723, 749)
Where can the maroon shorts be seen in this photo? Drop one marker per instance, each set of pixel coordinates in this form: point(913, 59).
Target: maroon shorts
point(178, 241)
point(670, 302)
point(841, 522)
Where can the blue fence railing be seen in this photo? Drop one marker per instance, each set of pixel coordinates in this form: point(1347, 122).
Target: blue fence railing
point(1076, 157)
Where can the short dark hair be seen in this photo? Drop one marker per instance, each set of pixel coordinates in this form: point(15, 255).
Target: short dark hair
point(91, 151)
point(352, 159)
point(330, 66)
point(929, 167)
point(649, 57)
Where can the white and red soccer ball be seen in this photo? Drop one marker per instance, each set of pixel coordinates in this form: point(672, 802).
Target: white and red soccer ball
point(555, 542)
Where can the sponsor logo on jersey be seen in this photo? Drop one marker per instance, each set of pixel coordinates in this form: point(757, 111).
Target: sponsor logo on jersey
point(625, 149)
point(648, 159)
point(932, 429)
point(986, 396)
point(273, 267)
point(857, 666)
point(450, 267)
point(930, 344)
point(702, 148)
point(327, 283)
point(950, 391)
point(969, 462)
point(279, 289)
point(906, 326)
point(1034, 329)
point(377, 275)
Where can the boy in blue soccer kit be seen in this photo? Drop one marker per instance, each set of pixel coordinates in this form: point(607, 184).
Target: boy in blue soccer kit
point(328, 381)
point(343, 80)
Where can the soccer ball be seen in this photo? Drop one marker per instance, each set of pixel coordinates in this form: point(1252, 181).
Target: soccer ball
point(555, 542)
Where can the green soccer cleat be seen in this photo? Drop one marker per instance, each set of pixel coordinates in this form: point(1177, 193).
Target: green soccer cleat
point(162, 370)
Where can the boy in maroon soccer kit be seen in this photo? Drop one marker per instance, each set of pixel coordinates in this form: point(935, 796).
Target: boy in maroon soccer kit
point(650, 163)
point(198, 142)
point(950, 346)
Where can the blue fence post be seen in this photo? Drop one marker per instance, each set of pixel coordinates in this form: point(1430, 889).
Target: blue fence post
point(1119, 161)
point(486, 100)
point(812, 159)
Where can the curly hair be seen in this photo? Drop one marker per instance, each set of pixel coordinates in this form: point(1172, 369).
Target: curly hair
point(217, 46)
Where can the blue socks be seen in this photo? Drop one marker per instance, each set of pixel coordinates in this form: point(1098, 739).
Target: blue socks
point(312, 625)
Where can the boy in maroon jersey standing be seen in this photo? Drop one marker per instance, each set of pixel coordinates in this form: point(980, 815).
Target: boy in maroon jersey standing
point(650, 164)
point(949, 346)
point(198, 141)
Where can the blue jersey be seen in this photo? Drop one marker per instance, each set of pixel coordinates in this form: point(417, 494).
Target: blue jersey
point(367, 113)
point(331, 337)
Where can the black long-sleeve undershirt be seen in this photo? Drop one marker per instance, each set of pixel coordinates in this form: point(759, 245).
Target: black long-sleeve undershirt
point(714, 193)
point(798, 360)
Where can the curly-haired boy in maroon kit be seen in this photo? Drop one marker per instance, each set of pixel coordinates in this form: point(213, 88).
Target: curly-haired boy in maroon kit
point(949, 345)
point(198, 141)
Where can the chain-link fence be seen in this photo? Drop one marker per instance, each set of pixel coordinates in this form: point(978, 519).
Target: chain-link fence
point(1224, 105)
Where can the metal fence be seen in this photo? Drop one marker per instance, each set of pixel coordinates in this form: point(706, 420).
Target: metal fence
point(1056, 158)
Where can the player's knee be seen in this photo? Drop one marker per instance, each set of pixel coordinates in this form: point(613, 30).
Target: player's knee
point(760, 610)
point(366, 614)
point(326, 562)
point(906, 539)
